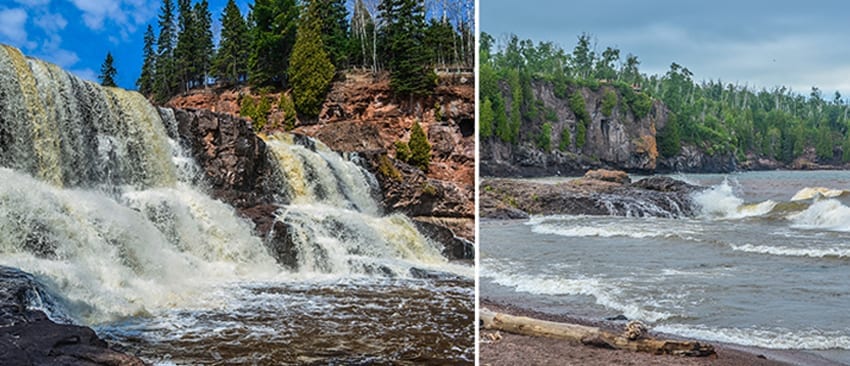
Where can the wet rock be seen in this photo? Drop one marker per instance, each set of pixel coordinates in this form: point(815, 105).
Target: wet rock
point(655, 197)
point(615, 176)
point(454, 247)
point(29, 337)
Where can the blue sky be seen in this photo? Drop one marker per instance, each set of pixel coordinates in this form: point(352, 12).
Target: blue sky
point(761, 43)
point(76, 34)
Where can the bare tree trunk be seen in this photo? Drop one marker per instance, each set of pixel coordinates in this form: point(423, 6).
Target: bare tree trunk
point(590, 335)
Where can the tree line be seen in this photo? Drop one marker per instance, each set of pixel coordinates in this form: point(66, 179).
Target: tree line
point(717, 117)
point(300, 45)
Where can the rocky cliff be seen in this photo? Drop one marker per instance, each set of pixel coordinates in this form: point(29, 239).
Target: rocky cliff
point(618, 139)
point(361, 115)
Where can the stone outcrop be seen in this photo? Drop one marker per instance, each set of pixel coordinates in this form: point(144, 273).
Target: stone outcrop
point(29, 337)
point(619, 140)
point(654, 197)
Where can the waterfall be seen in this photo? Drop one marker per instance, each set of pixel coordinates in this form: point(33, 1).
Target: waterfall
point(99, 200)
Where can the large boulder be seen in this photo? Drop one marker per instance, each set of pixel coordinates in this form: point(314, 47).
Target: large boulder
point(29, 337)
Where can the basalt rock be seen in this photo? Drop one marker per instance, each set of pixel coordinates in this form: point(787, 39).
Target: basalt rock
point(651, 197)
point(29, 337)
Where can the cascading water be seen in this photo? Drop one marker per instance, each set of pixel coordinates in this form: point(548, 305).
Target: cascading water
point(99, 201)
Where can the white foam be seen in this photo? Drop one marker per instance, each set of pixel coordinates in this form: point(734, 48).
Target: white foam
point(644, 228)
point(827, 214)
point(794, 252)
point(721, 202)
point(603, 291)
point(811, 339)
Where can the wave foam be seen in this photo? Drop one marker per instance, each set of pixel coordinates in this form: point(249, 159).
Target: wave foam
point(794, 252)
point(605, 293)
point(826, 214)
point(767, 338)
point(816, 192)
point(720, 201)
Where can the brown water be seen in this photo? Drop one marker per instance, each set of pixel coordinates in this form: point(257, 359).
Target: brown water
point(360, 321)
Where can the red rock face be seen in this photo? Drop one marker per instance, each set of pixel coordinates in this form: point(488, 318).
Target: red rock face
point(361, 114)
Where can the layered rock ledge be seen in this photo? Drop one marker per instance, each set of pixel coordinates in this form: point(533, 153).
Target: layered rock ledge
point(597, 193)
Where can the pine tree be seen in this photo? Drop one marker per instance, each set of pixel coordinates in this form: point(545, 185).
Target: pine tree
point(410, 73)
point(420, 148)
point(165, 82)
point(310, 68)
point(184, 52)
point(145, 83)
point(107, 71)
point(231, 61)
point(204, 48)
point(334, 30)
point(274, 26)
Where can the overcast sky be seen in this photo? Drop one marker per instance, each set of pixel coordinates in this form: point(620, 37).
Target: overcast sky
point(761, 43)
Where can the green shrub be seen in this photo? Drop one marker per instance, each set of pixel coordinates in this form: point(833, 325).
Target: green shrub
point(420, 148)
point(609, 101)
point(564, 145)
point(582, 117)
point(287, 106)
point(545, 139)
point(402, 151)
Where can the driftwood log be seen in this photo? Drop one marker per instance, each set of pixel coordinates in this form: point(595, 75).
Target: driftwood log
point(590, 335)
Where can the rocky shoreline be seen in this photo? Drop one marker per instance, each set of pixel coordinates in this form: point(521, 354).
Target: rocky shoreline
point(599, 192)
point(511, 349)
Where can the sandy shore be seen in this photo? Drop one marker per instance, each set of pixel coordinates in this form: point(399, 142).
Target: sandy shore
point(514, 349)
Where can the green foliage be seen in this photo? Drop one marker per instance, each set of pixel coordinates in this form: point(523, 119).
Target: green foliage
point(311, 70)
point(551, 115)
point(420, 148)
point(669, 142)
point(165, 85)
point(486, 118)
point(287, 106)
point(107, 71)
point(334, 30)
point(544, 141)
point(410, 72)
point(609, 101)
point(388, 169)
point(579, 108)
point(272, 37)
point(231, 61)
point(145, 83)
point(257, 112)
point(438, 111)
point(402, 151)
point(564, 145)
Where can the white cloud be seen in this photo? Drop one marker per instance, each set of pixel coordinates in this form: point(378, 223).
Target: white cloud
point(13, 29)
point(126, 14)
point(51, 22)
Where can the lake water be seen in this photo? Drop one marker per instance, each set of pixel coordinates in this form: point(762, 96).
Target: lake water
point(755, 268)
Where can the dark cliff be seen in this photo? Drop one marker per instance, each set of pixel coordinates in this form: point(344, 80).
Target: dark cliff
point(615, 138)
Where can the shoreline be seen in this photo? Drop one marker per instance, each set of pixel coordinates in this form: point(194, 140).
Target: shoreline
point(513, 349)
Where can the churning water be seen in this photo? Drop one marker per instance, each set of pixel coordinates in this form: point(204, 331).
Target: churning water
point(766, 263)
point(99, 201)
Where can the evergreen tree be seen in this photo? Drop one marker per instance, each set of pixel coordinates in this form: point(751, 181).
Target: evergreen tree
point(184, 51)
point(440, 38)
point(334, 30)
point(107, 71)
point(404, 28)
point(231, 61)
point(486, 118)
point(165, 83)
point(145, 83)
point(420, 148)
point(204, 48)
point(310, 69)
point(274, 26)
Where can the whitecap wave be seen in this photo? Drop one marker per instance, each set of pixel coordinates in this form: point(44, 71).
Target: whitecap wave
point(721, 202)
point(767, 338)
point(826, 214)
point(794, 252)
point(603, 291)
